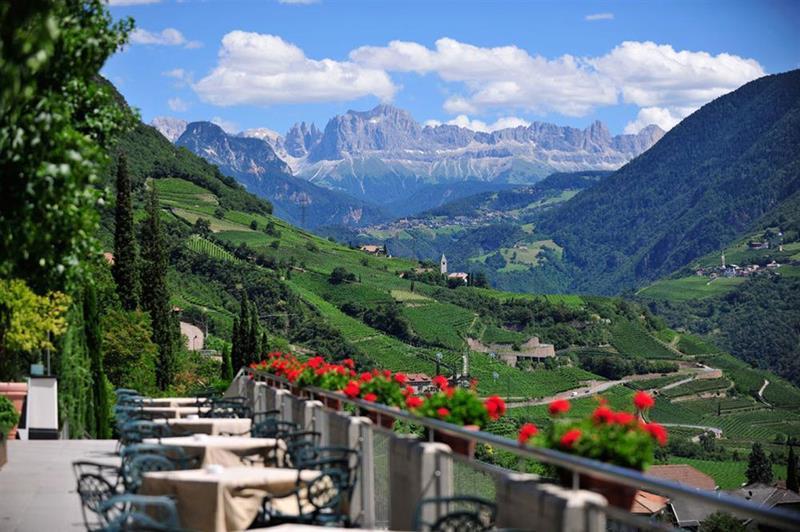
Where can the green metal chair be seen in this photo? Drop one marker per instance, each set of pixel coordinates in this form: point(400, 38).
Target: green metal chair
point(141, 512)
point(96, 484)
point(131, 477)
point(463, 513)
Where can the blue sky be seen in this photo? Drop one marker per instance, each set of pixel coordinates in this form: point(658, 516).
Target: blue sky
point(267, 63)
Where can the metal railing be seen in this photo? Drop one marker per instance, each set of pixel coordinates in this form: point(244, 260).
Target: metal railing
point(776, 517)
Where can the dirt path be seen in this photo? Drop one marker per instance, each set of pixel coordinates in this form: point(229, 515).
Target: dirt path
point(716, 430)
point(761, 392)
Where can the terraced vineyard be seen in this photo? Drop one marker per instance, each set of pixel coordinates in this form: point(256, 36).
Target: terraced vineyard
point(658, 382)
point(441, 323)
point(728, 475)
point(697, 386)
point(633, 341)
point(199, 244)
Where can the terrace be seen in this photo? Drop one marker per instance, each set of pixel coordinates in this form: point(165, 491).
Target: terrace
point(399, 481)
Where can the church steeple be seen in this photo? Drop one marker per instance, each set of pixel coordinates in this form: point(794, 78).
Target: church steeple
point(443, 265)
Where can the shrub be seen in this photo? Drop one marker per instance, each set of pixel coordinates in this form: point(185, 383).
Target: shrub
point(8, 416)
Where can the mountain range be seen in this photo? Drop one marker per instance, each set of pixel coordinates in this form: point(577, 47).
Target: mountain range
point(382, 161)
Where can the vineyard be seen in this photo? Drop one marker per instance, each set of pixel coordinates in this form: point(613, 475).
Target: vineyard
point(199, 244)
point(633, 341)
point(696, 386)
point(728, 475)
point(692, 345)
point(658, 382)
point(440, 323)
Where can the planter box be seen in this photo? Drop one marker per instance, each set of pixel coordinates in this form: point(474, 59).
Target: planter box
point(16, 392)
point(3, 451)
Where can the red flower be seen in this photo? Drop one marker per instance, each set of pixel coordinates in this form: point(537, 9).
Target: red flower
point(387, 374)
point(348, 362)
point(658, 432)
point(370, 397)
point(643, 400)
point(440, 381)
point(570, 437)
point(602, 414)
point(443, 412)
point(623, 418)
point(558, 407)
point(352, 389)
point(413, 402)
point(526, 432)
point(400, 378)
point(365, 377)
point(495, 407)
point(408, 391)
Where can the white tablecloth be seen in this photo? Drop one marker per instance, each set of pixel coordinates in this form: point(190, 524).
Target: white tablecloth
point(211, 425)
point(227, 450)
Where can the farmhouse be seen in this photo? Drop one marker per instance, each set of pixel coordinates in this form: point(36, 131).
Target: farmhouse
point(373, 249)
point(459, 275)
point(758, 245)
point(532, 350)
point(420, 382)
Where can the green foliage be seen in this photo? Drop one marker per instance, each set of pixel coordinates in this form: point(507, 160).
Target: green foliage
point(226, 369)
point(94, 346)
point(56, 120)
point(129, 354)
point(633, 341)
point(155, 293)
point(8, 416)
point(73, 366)
point(721, 522)
point(28, 322)
point(792, 471)
point(759, 468)
point(460, 406)
point(340, 275)
point(126, 256)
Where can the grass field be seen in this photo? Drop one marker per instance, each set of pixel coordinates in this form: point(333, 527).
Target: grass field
point(728, 475)
point(692, 287)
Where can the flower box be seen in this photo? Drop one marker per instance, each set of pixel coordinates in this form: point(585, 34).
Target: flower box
point(16, 393)
point(458, 444)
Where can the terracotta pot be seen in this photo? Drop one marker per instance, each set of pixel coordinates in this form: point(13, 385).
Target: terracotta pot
point(16, 392)
point(384, 420)
point(618, 495)
point(458, 444)
point(333, 403)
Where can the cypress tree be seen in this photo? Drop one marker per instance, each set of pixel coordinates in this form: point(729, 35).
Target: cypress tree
point(244, 331)
point(155, 294)
point(792, 481)
point(94, 346)
point(254, 335)
point(759, 468)
point(236, 344)
point(226, 369)
point(263, 347)
point(125, 268)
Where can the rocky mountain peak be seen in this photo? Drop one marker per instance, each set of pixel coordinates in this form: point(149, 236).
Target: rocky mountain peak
point(301, 138)
point(169, 126)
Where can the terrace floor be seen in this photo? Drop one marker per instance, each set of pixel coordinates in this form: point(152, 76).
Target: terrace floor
point(37, 487)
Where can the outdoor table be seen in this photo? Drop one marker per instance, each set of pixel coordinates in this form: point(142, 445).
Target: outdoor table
point(170, 401)
point(226, 450)
point(220, 499)
point(174, 411)
point(210, 425)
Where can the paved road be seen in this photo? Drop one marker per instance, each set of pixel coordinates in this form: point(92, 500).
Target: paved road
point(761, 392)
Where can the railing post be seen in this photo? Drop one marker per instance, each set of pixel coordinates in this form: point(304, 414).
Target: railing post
point(275, 400)
point(259, 403)
point(356, 433)
point(524, 502)
point(417, 470)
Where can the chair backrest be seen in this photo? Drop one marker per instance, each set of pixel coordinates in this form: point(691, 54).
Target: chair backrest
point(145, 463)
point(234, 407)
point(266, 415)
point(301, 446)
point(94, 490)
point(142, 512)
point(471, 514)
point(173, 453)
point(273, 428)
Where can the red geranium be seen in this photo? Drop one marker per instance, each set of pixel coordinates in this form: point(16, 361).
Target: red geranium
point(558, 407)
point(442, 412)
point(352, 389)
point(623, 418)
point(400, 378)
point(570, 437)
point(365, 377)
point(526, 432)
point(602, 414)
point(658, 432)
point(643, 400)
point(495, 407)
point(370, 397)
point(348, 362)
point(413, 402)
point(440, 381)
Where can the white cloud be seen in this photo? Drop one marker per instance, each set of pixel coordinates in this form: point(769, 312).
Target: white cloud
point(664, 83)
point(261, 69)
point(181, 76)
point(178, 105)
point(166, 37)
point(478, 125)
point(227, 125)
point(132, 2)
point(599, 16)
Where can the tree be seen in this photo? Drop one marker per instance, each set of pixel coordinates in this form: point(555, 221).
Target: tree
point(759, 468)
point(236, 344)
point(226, 369)
point(155, 293)
point(126, 268)
point(479, 280)
point(721, 522)
point(792, 481)
point(340, 275)
point(57, 119)
point(202, 226)
point(129, 354)
point(94, 345)
point(254, 225)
